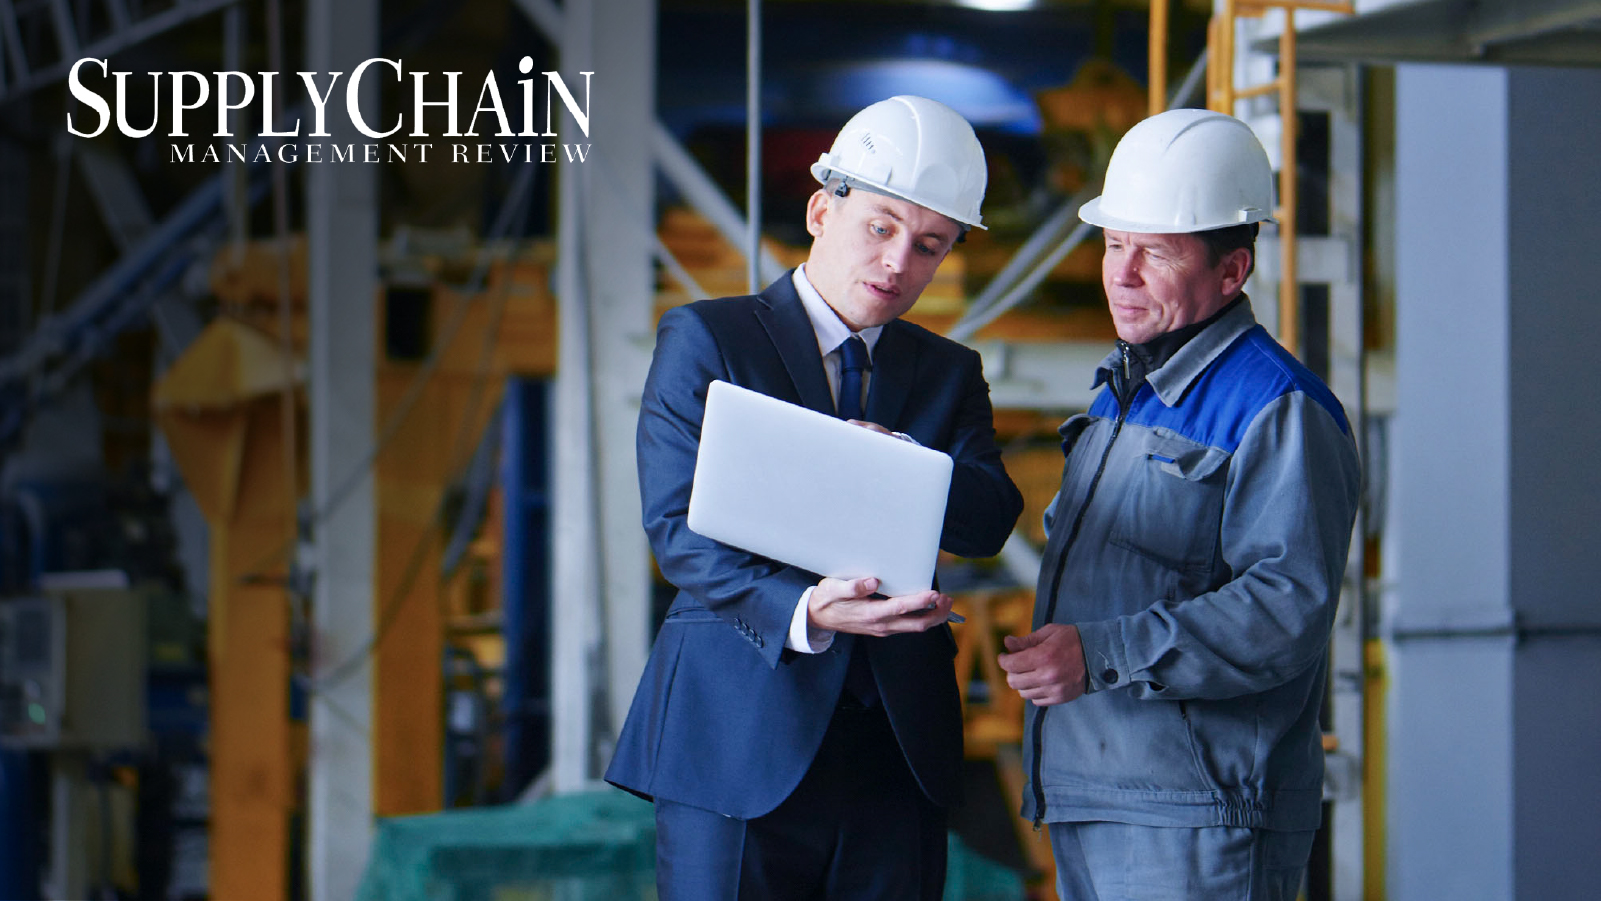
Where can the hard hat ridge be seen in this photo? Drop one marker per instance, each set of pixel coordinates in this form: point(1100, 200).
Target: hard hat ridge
point(1184, 170)
point(910, 147)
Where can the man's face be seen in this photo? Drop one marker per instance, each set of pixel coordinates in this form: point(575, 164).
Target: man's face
point(873, 255)
point(1158, 283)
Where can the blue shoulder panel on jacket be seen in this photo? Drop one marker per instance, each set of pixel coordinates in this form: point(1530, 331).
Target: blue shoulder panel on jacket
point(1253, 372)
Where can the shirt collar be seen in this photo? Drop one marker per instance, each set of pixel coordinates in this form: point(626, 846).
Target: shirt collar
point(1174, 377)
point(830, 329)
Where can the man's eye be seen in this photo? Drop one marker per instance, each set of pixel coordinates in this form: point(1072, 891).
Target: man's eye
point(878, 229)
point(925, 250)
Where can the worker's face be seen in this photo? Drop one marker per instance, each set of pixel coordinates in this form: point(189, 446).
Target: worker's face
point(873, 255)
point(1158, 283)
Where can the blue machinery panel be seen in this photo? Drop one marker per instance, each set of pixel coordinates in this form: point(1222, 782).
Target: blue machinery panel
point(525, 574)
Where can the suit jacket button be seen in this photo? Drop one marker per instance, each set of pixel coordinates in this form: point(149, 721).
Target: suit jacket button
point(1109, 676)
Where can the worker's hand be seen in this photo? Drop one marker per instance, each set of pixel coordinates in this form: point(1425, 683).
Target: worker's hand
point(848, 606)
point(871, 427)
point(1047, 665)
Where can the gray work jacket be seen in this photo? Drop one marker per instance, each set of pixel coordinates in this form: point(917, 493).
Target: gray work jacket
point(1198, 541)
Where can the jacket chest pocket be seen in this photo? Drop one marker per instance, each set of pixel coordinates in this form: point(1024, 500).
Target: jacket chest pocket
point(1172, 504)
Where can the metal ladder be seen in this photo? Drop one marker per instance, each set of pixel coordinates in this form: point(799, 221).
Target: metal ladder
point(40, 40)
point(1222, 94)
point(1327, 267)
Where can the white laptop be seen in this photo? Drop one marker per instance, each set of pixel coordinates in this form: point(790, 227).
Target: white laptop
point(816, 492)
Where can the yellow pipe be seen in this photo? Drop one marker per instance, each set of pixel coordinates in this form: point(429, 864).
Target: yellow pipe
point(1214, 49)
point(1261, 90)
point(1289, 289)
point(1374, 782)
point(1157, 83)
point(1226, 63)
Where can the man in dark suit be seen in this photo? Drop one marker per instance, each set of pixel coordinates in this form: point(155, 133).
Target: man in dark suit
point(802, 737)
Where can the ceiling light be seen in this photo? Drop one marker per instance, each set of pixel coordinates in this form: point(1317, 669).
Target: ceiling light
point(998, 5)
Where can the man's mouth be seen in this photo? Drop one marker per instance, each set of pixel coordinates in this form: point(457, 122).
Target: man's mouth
point(883, 291)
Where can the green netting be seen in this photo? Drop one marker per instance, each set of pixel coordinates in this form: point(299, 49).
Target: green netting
point(592, 846)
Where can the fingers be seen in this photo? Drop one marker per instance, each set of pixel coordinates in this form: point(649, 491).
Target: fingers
point(1015, 643)
point(1046, 696)
point(870, 426)
point(1019, 660)
point(846, 589)
point(1044, 686)
point(921, 602)
point(1046, 666)
point(906, 613)
point(846, 605)
point(913, 612)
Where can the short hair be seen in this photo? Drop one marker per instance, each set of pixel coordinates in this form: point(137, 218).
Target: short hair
point(1220, 242)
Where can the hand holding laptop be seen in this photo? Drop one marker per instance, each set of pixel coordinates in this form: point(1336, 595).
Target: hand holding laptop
point(849, 605)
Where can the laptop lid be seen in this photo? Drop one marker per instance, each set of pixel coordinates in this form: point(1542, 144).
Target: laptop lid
point(816, 492)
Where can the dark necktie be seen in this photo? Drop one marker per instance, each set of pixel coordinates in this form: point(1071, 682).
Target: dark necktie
point(853, 362)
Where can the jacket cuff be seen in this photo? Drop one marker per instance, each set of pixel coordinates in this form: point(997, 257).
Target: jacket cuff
point(1104, 657)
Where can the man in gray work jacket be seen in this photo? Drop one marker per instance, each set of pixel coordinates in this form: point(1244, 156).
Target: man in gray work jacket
point(1196, 549)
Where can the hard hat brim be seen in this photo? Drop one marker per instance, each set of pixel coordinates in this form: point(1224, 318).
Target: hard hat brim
point(1092, 213)
point(823, 172)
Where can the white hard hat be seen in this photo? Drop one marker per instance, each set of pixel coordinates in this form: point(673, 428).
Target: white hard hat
point(913, 148)
point(1185, 170)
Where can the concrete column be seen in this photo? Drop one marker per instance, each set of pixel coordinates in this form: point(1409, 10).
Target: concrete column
point(1497, 635)
point(620, 236)
point(342, 234)
point(1555, 486)
point(606, 296)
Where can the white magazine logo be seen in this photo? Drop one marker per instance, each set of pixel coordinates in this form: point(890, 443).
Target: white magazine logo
point(188, 95)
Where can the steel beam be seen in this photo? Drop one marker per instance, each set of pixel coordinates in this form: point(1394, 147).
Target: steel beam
point(605, 297)
point(342, 266)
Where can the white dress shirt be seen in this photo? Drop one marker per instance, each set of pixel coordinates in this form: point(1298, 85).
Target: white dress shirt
point(831, 333)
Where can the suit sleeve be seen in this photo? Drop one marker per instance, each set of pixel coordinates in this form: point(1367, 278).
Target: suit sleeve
point(1289, 506)
point(745, 589)
point(984, 504)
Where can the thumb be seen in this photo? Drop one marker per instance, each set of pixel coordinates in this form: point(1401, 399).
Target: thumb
point(865, 587)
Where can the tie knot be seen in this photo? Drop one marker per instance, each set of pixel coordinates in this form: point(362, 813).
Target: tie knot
point(853, 354)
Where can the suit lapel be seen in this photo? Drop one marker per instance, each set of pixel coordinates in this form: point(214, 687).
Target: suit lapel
point(894, 372)
point(780, 312)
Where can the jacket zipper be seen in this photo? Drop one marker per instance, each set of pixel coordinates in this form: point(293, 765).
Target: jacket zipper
point(1061, 563)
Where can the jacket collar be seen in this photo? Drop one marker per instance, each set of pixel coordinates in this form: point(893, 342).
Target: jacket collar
point(1186, 365)
point(894, 374)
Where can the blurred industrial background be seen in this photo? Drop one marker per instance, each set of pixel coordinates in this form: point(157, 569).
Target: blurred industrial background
point(321, 573)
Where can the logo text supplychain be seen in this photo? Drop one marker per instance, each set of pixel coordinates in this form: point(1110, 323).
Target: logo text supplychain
point(236, 92)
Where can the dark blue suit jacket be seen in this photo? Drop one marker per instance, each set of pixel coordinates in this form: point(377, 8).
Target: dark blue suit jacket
point(725, 718)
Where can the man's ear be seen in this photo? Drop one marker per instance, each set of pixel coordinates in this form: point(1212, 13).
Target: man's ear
point(1235, 268)
point(816, 212)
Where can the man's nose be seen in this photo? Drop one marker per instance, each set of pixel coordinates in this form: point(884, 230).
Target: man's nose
point(1124, 270)
point(895, 253)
